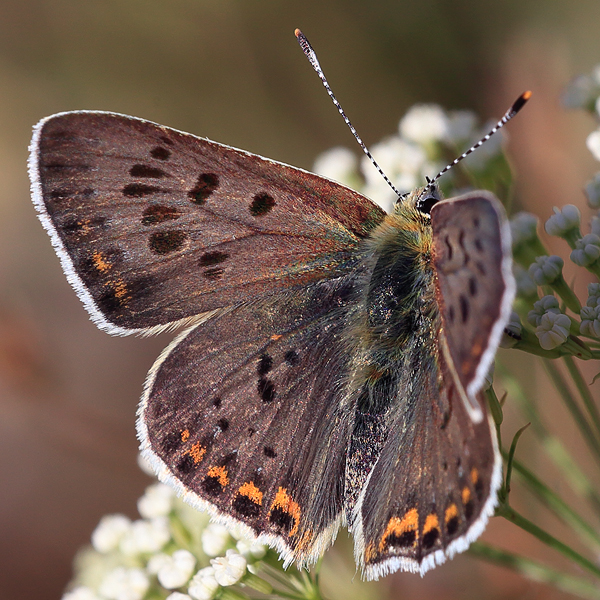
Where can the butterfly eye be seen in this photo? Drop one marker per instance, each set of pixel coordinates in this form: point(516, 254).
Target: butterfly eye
point(426, 203)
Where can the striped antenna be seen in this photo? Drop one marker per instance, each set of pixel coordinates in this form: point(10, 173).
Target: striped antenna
point(312, 58)
point(517, 105)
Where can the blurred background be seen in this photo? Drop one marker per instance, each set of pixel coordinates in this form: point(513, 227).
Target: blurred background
point(232, 71)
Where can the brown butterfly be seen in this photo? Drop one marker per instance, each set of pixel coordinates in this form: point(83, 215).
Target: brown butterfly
point(332, 356)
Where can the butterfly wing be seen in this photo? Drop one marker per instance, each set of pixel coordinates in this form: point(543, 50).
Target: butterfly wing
point(242, 415)
point(475, 286)
point(434, 482)
point(154, 226)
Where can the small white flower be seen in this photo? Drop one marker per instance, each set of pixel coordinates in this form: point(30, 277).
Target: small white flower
point(109, 532)
point(80, 593)
point(403, 162)
point(124, 584)
point(545, 270)
point(229, 569)
point(203, 586)
point(157, 501)
point(146, 536)
point(145, 466)
point(526, 287)
point(157, 562)
point(177, 570)
point(395, 156)
point(563, 221)
point(593, 294)
point(250, 548)
point(553, 330)
point(593, 143)
point(587, 250)
point(339, 164)
point(541, 307)
point(424, 123)
point(523, 228)
point(215, 538)
point(581, 92)
point(590, 321)
point(592, 191)
point(595, 225)
point(460, 126)
point(178, 596)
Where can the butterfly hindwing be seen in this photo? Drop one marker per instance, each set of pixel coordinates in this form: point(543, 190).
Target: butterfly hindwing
point(434, 485)
point(243, 415)
point(154, 226)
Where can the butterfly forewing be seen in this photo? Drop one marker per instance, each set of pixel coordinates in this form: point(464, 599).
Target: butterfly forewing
point(475, 286)
point(154, 226)
point(243, 414)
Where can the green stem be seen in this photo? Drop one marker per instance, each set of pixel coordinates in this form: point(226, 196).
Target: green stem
point(577, 414)
point(536, 571)
point(566, 293)
point(281, 578)
point(584, 391)
point(552, 446)
point(559, 507)
point(514, 517)
point(511, 457)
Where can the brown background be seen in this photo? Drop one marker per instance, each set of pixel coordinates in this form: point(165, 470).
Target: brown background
point(231, 70)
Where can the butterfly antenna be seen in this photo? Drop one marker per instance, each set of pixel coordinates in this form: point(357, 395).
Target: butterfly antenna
point(517, 105)
point(312, 58)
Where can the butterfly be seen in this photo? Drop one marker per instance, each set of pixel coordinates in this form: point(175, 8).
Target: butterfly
point(331, 361)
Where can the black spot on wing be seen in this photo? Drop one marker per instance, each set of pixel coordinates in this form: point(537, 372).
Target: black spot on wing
point(171, 442)
point(291, 357)
point(245, 506)
point(430, 538)
point(206, 184)
point(67, 192)
point(266, 390)
point(139, 190)
point(160, 153)
point(405, 539)
point(281, 519)
point(464, 308)
point(165, 242)
point(265, 364)
point(262, 204)
point(147, 171)
point(185, 464)
point(213, 258)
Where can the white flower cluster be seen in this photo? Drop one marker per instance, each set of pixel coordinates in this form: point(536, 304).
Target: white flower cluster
point(133, 560)
point(428, 137)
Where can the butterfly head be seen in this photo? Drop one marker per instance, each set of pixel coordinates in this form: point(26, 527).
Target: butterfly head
point(421, 199)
